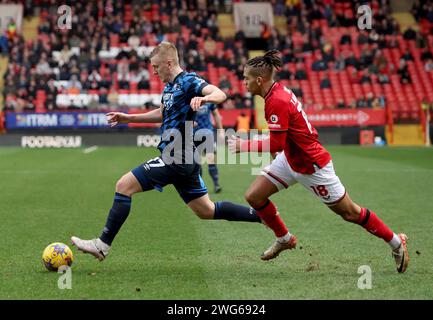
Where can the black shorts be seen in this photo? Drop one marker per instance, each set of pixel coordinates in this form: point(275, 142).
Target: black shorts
point(155, 174)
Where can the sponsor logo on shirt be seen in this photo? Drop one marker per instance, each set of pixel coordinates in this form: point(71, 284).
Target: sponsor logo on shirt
point(168, 100)
point(274, 118)
point(274, 126)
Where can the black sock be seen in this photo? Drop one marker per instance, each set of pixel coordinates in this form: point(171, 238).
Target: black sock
point(235, 212)
point(213, 172)
point(116, 217)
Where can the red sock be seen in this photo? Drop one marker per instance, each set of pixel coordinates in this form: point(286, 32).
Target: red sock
point(268, 213)
point(371, 222)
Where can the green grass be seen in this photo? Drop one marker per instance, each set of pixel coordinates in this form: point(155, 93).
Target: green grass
point(164, 252)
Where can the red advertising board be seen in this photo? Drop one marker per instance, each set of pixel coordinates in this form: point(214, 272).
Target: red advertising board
point(325, 118)
point(347, 118)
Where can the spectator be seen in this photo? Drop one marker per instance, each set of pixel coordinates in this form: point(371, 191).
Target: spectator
point(426, 55)
point(210, 47)
point(383, 78)
point(307, 46)
point(369, 99)
point(85, 82)
point(103, 98)
point(265, 32)
point(300, 73)
point(328, 53)
point(133, 40)
point(240, 71)
point(409, 34)
point(4, 45)
point(325, 83)
point(64, 73)
point(106, 81)
point(340, 63)
point(74, 85)
point(190, 63)
point(124, 35)
point(351, 60)
point(51, 94)
point(354, 79)
point(379, 63)
point(65, 55)
point(133, 62)
point(428, 66)
point(333, 21)
point(123, 79)
point(43, 68)
point(224, 83)
point(11, 29)
point(365, 78)
point(94, 76)
point(93, 62)
point(407, 56)
point(346, 38)
point(143, 84)
point(376, 104)
point(403, 71)
point(123, 66)
point(361, 103)
point(340, 104)
point(134, 77)
point(192, 43)
point(382, 43)
point(10, 87)
point(319, 64)
point(366, 58)
point(285, 73)
point(113, 97)
point(237, 99)
point(362, 38)
point(297, 91)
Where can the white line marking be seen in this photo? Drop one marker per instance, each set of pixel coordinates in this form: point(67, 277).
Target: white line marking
point(90, 149)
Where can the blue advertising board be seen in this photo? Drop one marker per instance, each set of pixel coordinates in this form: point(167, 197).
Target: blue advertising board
point(55, 120)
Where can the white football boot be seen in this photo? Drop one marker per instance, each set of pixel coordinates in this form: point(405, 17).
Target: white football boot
point(401, 255)
point(95, 247)
point(274, 250)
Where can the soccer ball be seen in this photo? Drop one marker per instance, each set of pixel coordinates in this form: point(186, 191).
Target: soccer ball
point(56, 255)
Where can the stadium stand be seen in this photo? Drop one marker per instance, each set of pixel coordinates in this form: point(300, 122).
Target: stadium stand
point(101, 62)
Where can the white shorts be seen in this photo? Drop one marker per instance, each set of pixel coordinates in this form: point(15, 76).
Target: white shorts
point(324, 183)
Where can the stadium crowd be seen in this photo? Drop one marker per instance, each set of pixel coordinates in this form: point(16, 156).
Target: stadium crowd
point(105, 52)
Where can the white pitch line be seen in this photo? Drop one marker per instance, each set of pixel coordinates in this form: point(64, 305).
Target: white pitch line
point(90, 149)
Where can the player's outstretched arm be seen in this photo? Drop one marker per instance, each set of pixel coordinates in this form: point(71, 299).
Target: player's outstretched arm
point(153, 116)
point(273, 144)
point(211, 94)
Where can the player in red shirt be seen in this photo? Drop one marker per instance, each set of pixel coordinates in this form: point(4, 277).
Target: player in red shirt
point(300, 158)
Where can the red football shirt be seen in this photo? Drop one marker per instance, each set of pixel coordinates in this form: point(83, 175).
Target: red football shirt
point(284, 112)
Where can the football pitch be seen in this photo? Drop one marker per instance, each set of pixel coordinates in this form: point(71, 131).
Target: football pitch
point(164, 251)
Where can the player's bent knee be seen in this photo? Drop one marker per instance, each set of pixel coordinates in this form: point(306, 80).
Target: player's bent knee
point(125, 186)
point(349, 216)
point(120, 185)
point(204, 213)
point(253, 199)
point(204, 209)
